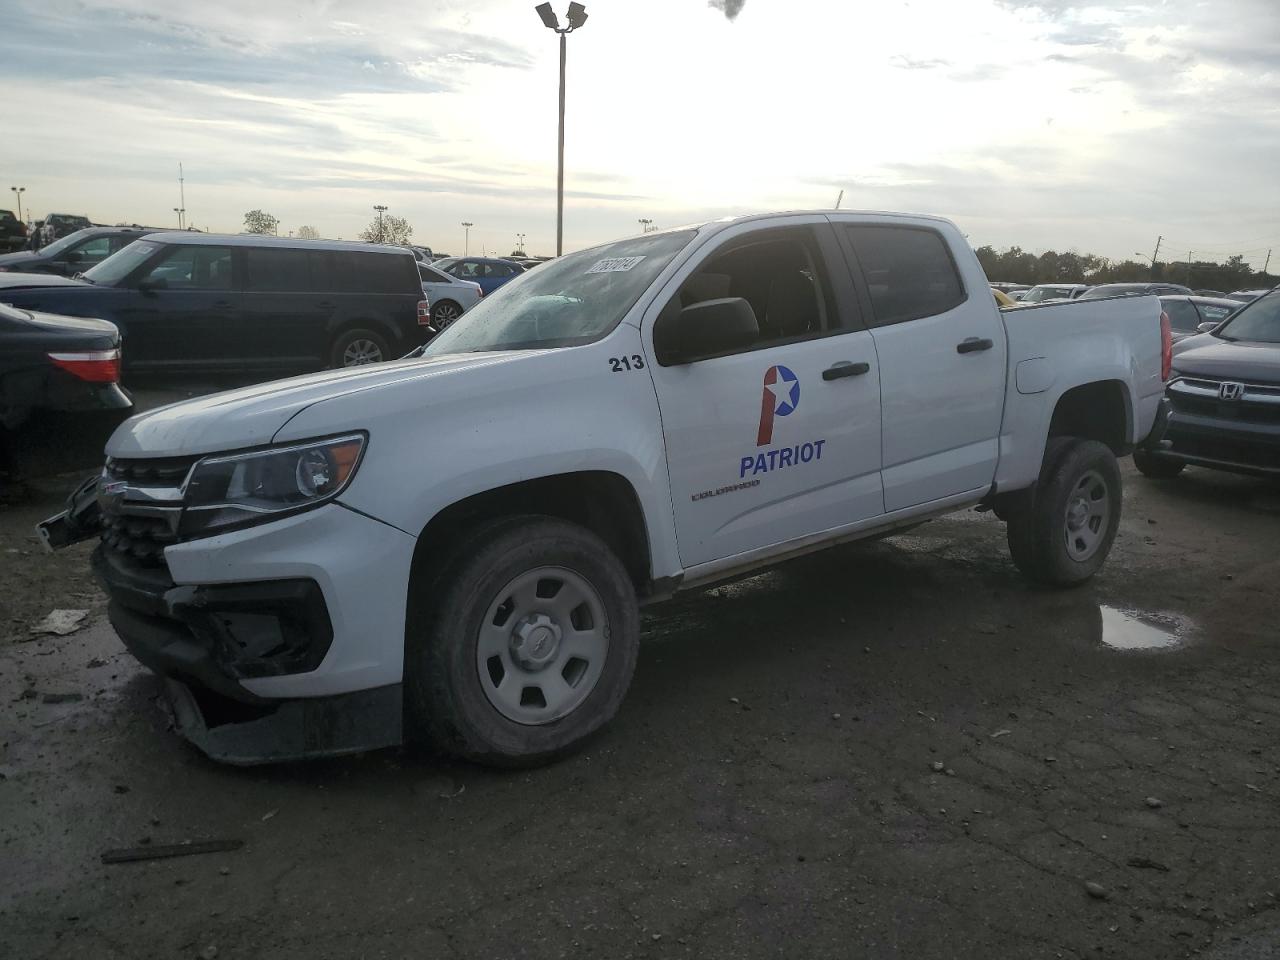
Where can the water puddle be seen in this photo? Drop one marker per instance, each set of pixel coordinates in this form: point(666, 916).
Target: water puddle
point(1134, 630)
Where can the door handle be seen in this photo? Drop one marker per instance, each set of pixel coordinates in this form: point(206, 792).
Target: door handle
point(325, 304)
point(845, 369)
point(973, 345)
point(222, 304)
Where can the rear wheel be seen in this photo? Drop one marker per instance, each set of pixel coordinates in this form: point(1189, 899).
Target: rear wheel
point(528, 645)
point(1061, 531)
point(354, 348)
point(444, 313)
point(1157, 468)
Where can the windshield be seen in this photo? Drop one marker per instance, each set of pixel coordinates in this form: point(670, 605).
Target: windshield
point(121, 263)
point(1114, 290)
point(570, 301)
point(1258, 321)
point(1036, 294)
point(55, 248)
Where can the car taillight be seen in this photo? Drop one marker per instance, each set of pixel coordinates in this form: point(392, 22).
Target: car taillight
point(424, 313)
point(94, 366)
point(1166, 346)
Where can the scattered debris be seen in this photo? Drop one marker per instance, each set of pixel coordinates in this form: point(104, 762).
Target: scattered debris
point(1154, 803)
point(120, 788)
point(921, 713)
point(95, 663)
point(835, 716)
point(1096, 890)
point(1145, 863)
point(949, 772)
point(61, 622)
point(61, 697)
point(1000, 733)
point(164, 851)
point(1050, 759)
point(269, 814)
point(734, 700)
point(937, 766)
point(209, 952)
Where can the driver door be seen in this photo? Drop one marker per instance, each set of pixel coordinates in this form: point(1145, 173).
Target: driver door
point(780, 439)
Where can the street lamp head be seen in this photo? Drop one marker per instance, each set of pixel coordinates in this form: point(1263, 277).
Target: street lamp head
point(577, 15)
point(549, 18)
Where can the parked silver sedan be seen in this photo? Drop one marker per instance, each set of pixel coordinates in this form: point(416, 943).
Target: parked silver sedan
point(450, 297)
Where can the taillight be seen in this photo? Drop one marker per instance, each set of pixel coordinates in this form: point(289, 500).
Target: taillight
point(94, 366)
point(424, 313)
point(1166, 346)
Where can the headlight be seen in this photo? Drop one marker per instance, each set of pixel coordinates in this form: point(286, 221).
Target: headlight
point(247, 488)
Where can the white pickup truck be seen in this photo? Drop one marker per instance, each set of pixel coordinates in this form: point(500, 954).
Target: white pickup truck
point(455, 546)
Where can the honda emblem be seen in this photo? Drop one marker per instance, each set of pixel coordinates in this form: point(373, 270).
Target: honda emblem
point(1230, 390)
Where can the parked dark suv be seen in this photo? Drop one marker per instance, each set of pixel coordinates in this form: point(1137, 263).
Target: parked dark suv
point(1222, 405)
point(13, 232)
point(74, 253)
point(198, 301)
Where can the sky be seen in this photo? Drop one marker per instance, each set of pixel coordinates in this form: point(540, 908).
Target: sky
point(1049, 124)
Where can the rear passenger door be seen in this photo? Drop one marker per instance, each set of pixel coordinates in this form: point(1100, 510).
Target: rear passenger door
point(286, 317)
point(942, 361)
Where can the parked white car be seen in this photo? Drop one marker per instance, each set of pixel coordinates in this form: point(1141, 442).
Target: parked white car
point(450, 296)
point(455, 546)
point(1044, 292)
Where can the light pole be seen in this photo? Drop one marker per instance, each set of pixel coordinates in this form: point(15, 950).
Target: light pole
point(576, 16)
point(645, 224)
point(18, 192)
point(520, 242)
point(381, 210)
point(466, 240)
point(181, 223)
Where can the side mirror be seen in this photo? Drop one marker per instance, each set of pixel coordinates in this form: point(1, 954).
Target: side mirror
point(151, 286)
point(1208, 326)
point(704, 330)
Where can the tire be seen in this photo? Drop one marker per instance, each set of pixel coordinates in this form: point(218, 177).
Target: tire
point(358, 346)
point(1061, 531)
point(1157, 468)
point(484, 627)
point(444, 313)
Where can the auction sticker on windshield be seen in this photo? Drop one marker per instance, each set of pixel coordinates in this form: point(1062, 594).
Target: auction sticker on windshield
point(614, 265)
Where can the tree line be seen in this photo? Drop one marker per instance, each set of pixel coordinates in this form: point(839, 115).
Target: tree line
point(1016, 265)
point(386, 229)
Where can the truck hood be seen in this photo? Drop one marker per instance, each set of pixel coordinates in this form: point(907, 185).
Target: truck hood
point(1224, 360)
point(251, 416)
point(38, 280)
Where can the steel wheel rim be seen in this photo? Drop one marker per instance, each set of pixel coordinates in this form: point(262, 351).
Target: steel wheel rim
point(446, 313)
point(541, 646)
point(361, 351)
point(1087, 515)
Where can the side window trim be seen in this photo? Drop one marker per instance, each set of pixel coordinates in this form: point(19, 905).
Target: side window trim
point(860, 278)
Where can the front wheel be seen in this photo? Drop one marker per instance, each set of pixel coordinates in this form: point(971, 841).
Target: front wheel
point(1061, 531)
point(1157, 468)
point(528, 644)
point(354, 348)
point(444, 313)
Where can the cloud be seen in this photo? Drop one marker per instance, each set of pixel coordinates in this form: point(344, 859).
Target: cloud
point(904, 62)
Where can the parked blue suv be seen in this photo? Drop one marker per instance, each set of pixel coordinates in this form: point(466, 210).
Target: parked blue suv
point(489, 272)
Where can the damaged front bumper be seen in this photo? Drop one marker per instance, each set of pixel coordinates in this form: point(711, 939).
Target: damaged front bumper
point(207, 640)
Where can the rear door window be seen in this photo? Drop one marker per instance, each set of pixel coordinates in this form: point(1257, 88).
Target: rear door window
point(277, 270)
point(908, 272)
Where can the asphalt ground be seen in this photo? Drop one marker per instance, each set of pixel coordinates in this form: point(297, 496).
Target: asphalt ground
point(898, 749)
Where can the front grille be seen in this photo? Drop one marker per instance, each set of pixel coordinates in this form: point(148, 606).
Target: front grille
point(141, 538)
point(1259, 403)
point(134, 527)
point(155, 472)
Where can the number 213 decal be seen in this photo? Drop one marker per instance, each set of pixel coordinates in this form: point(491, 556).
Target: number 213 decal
point(619, 364)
